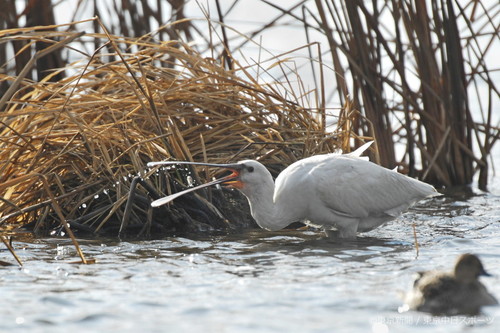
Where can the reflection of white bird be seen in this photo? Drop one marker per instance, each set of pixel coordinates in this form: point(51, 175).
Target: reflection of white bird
point(343, 194)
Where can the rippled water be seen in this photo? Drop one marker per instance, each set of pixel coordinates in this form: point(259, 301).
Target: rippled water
point(288, 281)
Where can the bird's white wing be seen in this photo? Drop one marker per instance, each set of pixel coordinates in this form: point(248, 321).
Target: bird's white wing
point(359, 188)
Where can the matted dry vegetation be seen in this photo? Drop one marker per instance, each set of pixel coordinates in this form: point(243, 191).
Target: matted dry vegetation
point(76, 150)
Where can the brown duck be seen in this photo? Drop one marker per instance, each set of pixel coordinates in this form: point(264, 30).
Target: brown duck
point(451, 293)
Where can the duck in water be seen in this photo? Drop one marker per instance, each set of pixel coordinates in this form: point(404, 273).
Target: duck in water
point(451, 293)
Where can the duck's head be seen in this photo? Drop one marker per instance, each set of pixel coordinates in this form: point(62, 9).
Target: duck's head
point(468, 268)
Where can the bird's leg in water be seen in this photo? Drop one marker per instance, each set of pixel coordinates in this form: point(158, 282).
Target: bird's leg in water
point(347, 231)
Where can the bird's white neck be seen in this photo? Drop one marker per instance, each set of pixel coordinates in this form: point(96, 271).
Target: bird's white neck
point(267, 213)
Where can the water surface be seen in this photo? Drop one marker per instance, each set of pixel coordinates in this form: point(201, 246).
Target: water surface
point(258, 281)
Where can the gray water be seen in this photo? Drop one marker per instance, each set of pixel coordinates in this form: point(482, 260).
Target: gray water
point(287, 281)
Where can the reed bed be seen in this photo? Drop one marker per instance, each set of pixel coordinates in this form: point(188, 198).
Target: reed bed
point(414, 68)
point(75, 149)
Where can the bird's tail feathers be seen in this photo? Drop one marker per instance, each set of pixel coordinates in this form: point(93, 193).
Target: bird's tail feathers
point(358, 152)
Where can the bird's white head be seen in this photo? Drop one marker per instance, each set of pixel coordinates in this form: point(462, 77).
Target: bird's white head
point(249, 177)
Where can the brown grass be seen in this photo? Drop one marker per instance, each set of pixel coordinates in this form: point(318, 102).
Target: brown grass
point(91, 134)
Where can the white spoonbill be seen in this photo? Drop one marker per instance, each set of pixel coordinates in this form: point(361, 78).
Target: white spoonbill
point(341, 193)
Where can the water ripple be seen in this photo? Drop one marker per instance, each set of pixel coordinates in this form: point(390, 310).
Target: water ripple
point(290, 280)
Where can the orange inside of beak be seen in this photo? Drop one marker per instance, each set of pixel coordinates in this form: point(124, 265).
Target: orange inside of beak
point(233, 180)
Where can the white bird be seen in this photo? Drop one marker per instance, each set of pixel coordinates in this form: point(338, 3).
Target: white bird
point(341, 193)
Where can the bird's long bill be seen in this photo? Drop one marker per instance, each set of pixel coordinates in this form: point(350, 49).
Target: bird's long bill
point(227, 179)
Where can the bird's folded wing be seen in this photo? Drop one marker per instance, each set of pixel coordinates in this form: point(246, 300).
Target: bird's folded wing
point(363, 189)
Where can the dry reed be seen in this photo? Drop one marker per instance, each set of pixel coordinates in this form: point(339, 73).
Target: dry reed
point(90, 135)
point(442, 46)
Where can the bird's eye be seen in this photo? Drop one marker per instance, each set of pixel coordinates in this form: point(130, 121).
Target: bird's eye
point(250, 169)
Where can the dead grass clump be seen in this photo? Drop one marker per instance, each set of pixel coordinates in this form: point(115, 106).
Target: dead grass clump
point(91, 134)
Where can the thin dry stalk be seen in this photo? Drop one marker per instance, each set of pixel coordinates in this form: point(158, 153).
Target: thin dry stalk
point(8, 245)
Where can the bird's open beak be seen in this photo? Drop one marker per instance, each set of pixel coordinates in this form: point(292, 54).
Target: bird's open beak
point(231, 180)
